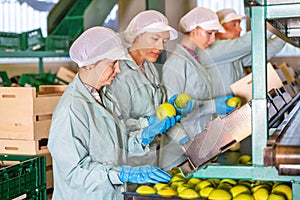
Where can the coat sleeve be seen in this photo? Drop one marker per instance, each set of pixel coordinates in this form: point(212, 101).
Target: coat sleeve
point(224, 51)
point(176, 79)
point(133, 127)
point(274, 45)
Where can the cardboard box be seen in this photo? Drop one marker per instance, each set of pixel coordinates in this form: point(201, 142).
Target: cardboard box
point(26, 114)
point(65, 75)
point(243, 87)
point(287, 72)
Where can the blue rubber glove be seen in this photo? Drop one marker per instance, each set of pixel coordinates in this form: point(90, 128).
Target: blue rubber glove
point(143, 174)
point(182, 111)
point(221, 107)
point(157, 126)
point(172, 99)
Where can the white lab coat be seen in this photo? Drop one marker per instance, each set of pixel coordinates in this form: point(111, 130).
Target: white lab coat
point(138, 96)
point(182, 73)
point(87, 144)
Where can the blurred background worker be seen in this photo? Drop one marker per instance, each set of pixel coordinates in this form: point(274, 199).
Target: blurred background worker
point(227, 57)
point(88, 144)
point(184, 73)
point(137, 88)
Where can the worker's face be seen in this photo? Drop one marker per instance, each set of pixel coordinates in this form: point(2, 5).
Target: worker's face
point(148, 46)
point(203, 38)
point(111, 68)
point(233, 30)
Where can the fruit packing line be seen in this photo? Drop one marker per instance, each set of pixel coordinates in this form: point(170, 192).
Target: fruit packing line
point(180, 187)
point(228, 132)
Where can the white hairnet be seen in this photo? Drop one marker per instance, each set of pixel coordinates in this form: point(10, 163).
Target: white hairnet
point(200, 16)
point(148, 21)
point(227, 15)
point(95, 44)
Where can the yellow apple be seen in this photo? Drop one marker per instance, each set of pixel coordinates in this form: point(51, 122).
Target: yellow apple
point(182, 99)
point(234, 102)
point(145, 190)
point(165, 110)
point(236, 147)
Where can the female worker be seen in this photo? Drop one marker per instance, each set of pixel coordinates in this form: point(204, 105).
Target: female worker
point(228, 67)
point(183, 72)
point(87, 142)
point(137, 88)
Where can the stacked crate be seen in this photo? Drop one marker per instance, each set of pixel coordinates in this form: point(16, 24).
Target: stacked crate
point(30, 40)
point(25, 121)
point(22, 177)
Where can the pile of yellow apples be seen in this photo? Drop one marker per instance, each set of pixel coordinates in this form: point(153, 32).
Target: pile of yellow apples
point(217, 189)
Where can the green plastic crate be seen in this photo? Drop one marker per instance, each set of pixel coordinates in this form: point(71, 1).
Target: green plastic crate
point(4, 80)
point(35, 80)
point(11, 41)
point(34, 39)
point(58, 43)
point(25, 179)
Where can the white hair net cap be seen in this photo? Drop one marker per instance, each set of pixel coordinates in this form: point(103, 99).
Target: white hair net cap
point(228, 14)
point(148, 21)
point(95, 44)
point(200, 16)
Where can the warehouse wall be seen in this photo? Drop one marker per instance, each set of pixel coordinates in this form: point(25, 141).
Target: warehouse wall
point(127, 10)
point(174, 11)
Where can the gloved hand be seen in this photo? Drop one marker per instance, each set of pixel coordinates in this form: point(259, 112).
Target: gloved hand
point(172, 99)
point(143, 174)
point(182, 111)
point(221, 107)
point(157, 126)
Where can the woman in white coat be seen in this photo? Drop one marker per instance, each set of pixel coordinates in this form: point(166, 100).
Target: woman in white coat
point(184, 73)
point(88, 143)
point(138, 90)
point(228, 67)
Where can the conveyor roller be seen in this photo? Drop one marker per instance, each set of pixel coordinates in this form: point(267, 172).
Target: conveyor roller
point(283, 150)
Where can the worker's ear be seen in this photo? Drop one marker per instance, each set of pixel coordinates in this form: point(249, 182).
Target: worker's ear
point(195, 31)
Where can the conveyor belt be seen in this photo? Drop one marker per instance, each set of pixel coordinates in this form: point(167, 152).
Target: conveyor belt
point(283, 149)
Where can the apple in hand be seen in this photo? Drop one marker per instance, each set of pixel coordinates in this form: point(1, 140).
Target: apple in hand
point(165, 110)
point(234, 102)
point(182, 100)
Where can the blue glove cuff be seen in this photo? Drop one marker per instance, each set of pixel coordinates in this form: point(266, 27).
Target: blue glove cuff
point(184, 111)
point(147, 140)
point(184, 140)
